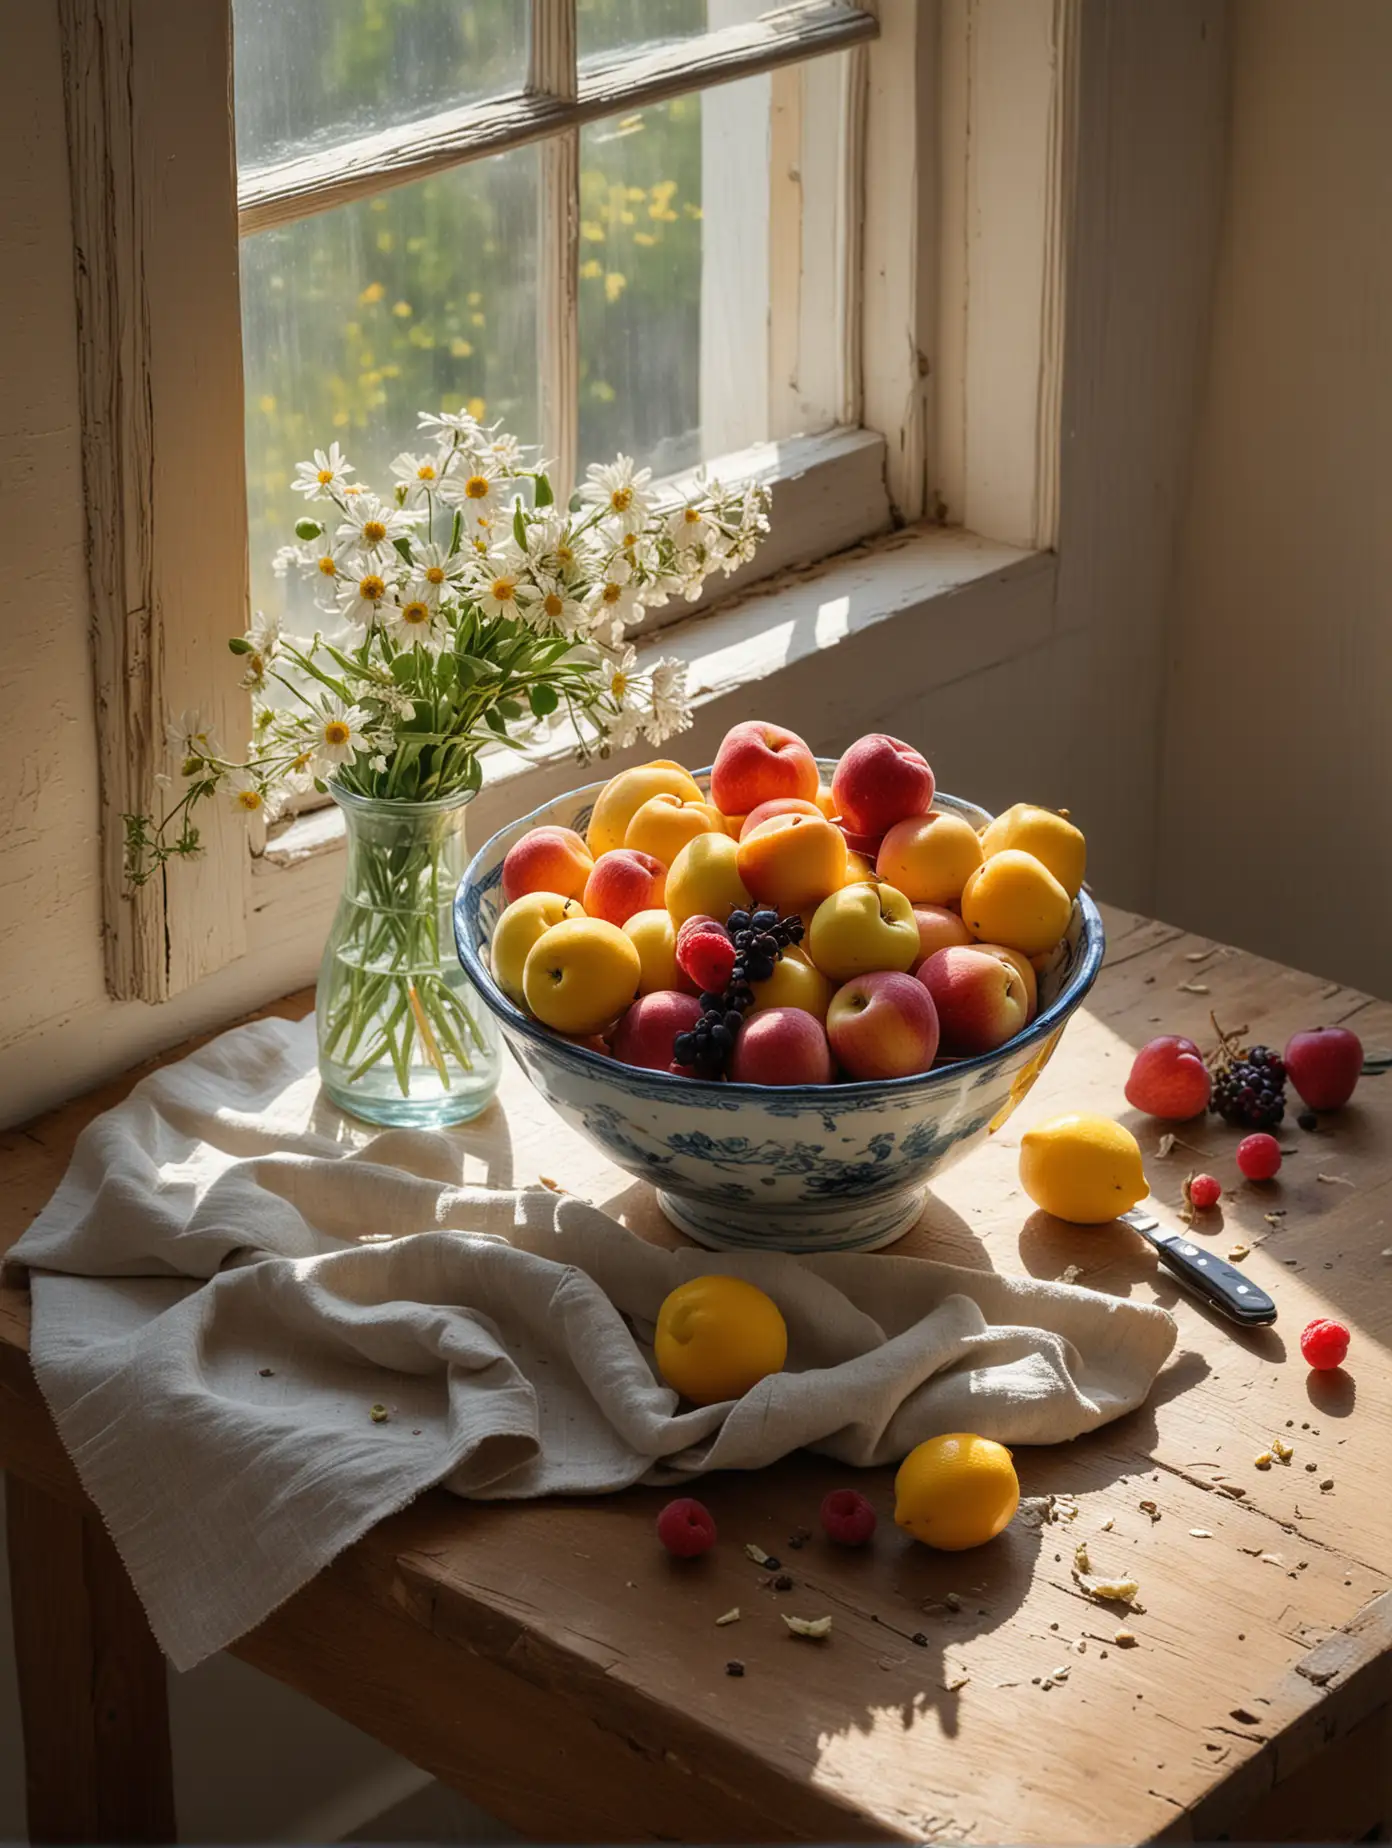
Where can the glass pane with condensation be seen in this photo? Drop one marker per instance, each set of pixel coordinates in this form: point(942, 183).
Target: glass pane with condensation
point(310, 73)
point(674, 279)
point(608, 29)
point(419, 299)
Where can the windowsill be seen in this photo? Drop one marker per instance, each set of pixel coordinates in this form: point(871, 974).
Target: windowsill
point(786, 623)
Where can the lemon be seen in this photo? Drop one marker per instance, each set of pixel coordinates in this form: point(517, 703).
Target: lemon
point(956, 1491)
point(1083, 1168)
point(717, 1337)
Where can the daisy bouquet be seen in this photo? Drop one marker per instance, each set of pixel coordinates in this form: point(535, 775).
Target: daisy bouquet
point(461, 609)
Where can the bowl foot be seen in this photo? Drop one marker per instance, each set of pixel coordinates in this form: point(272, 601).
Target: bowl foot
point(808, 1231)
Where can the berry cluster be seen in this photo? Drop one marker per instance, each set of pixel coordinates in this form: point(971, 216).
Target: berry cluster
point(757, 939)
point(1249, 1088)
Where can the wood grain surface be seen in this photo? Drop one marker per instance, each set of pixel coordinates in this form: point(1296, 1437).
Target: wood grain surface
point(549, 1659)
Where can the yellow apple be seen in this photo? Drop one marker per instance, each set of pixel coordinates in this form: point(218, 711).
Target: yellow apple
point(1046, 833)
point(623, 795)
point(518, 928)
point(862, 928)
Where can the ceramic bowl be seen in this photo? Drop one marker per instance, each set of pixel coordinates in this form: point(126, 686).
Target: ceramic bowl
point(800, 1168)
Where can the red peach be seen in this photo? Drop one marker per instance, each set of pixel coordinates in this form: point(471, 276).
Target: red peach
point(1027, 972)
point(623, 882)
point(939, 929)
point(646, 1033)
point(879, 1027)
point(547, 860)
point(1324, 1064)
point(881, 780)
point(782, 1045)
point(980, 998)
point(1168, 1079)
point(782, 805)
point(758, 762)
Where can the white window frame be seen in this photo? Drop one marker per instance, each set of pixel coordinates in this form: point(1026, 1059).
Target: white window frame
point(156, 222)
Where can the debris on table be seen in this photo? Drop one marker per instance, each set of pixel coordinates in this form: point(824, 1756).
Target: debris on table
point(815, 1627)
point(1125, 1639)
point(379, 1414)
point(760, 1557)
point(732, 1616)
point(1262, 1460)
point(1281, 1451)
point(1239, 1252)
point(1149, 1507)
point(1200, 1533)
point(735, 1668)
point(1336, 1180)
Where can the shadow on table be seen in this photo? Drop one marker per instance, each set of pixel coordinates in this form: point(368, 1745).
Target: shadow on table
point(477, 1153)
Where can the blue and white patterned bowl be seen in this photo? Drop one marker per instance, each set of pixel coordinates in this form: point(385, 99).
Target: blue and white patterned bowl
point(804, 1168)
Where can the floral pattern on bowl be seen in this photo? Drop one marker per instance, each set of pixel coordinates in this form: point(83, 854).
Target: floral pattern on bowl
point(799, 1168)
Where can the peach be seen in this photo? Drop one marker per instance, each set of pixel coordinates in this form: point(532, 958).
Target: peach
point(653, 934)
point(881, 780)
point(623, 882)
point(623, 795)
point(792, 861)
point(546, 860)
point(665, 823)
point(645, 1034)
point(795, 982)
point(784, 805)
point(825, 801)
point(783, 1045)
point(938, 928)
point(880, 1027)
point(980, 998)
point(580, 975)
point(518, 928)
point(704, 878)
point(930, 857)
point(862, 928)
point(858, 868)
point(1046, 833)
point(758, 762)
point(1025, 970)
point(1014, 899)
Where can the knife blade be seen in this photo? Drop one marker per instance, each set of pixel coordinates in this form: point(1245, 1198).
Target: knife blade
point(1204, 1273)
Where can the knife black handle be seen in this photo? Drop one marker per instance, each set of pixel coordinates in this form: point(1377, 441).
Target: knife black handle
point(1217, 1281)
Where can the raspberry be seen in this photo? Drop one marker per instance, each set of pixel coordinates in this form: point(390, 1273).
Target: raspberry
point(847, 1517)
point(685, 1528)
point(1324, 1344)
point(1203, 1191)
point(705, 953)
point(1259, 1157)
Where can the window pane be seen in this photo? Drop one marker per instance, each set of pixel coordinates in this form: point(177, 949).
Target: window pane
point(423, 298)
point(313, 72)
point(674, 278)
point(604, 26)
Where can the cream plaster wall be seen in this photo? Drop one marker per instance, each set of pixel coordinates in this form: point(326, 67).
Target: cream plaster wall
point(1274, 817)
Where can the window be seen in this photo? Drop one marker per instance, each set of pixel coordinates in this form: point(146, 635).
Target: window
point(849, 280)
point(610, 224)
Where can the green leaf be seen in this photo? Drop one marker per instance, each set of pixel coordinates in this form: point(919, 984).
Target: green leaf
point(238, 644)
point(519, 527)
point(545, 495)
point(543, 699)
point(511, 710)
point(307, 529)
point(403, 548)
point(495, 722)
point(456, 532)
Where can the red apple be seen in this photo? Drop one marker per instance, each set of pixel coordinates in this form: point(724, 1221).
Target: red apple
point(623, 883)
point(782, 1045)
point(939, 929)
point(645, 1034)
point(1028, 975)
point(980, 998)
point(547, 860)
point(883, 1025)
point(757, 763)
point(879, 781)
point(1169, 1079)
point(1324, 1064)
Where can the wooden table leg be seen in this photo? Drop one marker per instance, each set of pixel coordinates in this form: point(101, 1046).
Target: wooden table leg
point(92, 1686)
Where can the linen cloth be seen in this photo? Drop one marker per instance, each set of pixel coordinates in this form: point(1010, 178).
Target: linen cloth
point(211, 1333)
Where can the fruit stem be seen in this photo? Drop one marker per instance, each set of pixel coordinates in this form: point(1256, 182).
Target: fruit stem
point(1227, 1048)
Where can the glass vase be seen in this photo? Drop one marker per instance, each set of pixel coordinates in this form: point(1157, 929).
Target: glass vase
point(403, 1038)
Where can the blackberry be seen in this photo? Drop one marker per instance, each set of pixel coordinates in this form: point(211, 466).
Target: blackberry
point(760, 938)
point(1249, 1087)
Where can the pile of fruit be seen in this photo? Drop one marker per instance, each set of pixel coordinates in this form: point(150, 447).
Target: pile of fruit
point(782, 931)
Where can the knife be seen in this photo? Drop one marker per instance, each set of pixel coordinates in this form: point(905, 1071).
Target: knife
point(1204, 1273)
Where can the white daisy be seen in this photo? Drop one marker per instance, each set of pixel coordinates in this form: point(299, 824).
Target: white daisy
point(671, 707)
point(555, 607)
point(504, 451)
point(459, 423)
point(473, 488)
point(363, 591)
point(411, 618)
point(418, 474)
point(617, 487)
point(687, 527)
point(624, 728)
point(263, 640)
point(497, 593)
point(371, 524)
point(437, 570)
point(316, 479)
point(613, 600)
point(338, 733)
point(245, 792)
point(191, 736)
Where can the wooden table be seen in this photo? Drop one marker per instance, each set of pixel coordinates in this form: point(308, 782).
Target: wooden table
point(553, 1664)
